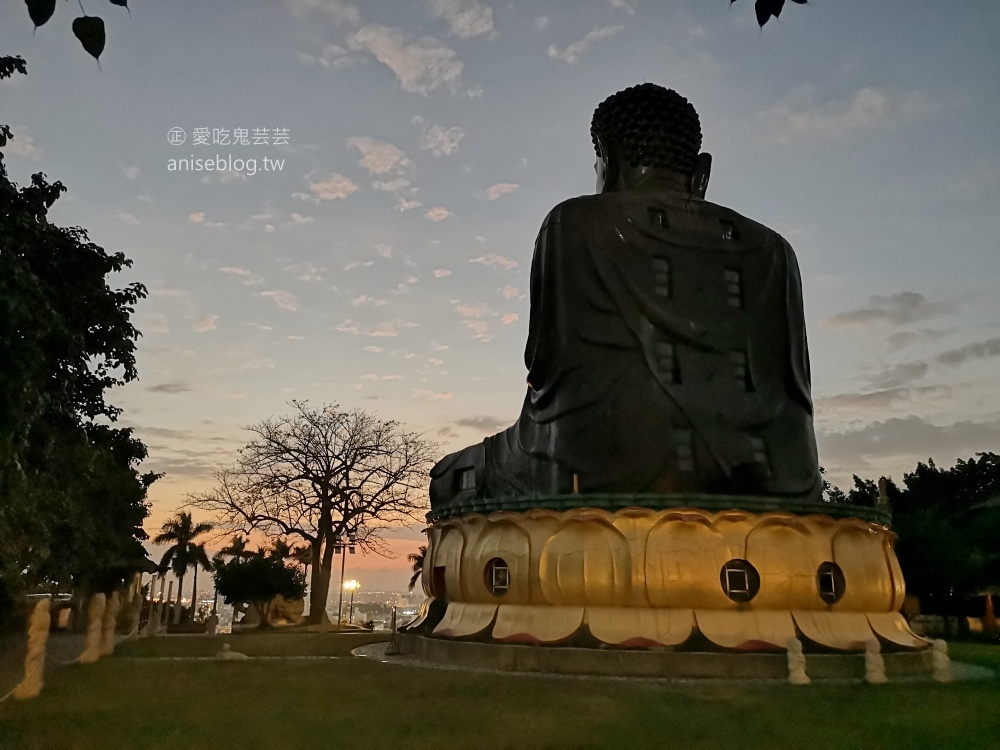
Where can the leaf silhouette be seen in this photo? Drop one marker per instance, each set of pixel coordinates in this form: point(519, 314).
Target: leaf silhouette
point(40, 11)
point(766, 9)
point(124, 4)
point(90, 31)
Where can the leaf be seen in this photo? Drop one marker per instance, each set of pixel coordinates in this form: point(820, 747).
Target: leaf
point(124, 4)
point(767, 8)
point(763, 12)
point(90, 31)
point(799, 2)
point(40, 10)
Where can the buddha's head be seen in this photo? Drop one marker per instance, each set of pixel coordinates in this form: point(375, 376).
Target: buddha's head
point(648, 133)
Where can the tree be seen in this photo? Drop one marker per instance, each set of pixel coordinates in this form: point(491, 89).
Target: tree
point(323, 476)
point(183, 553)
point(258, 580)
point(948, 521)
point(72, 501)
point(417, 558)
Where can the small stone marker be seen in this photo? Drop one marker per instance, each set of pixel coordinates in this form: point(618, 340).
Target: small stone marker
point(227, 654)
point(874, 663)
point(940, 662)
point(796, 663)
point(95, 623)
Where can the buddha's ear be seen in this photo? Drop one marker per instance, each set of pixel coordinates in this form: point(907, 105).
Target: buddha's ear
point(700, 176)
point(610, 171)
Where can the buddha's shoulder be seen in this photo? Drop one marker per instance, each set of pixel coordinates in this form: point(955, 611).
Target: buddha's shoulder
point(609, 207)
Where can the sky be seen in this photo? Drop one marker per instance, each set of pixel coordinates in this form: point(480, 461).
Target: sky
point(379, 258)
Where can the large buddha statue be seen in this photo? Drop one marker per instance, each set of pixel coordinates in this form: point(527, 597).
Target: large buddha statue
point(660, 487)
point(666, 346)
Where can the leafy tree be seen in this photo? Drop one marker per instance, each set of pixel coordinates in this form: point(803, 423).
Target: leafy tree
point(323, 475)
point(948, 521)
point(258, 580)
point(72, 501)
point(417, 559)
point(184, 553)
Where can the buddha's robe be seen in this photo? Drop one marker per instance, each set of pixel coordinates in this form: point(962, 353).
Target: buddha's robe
point(666, 353)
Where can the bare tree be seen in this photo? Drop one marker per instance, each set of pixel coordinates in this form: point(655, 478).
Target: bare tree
point(323, 475)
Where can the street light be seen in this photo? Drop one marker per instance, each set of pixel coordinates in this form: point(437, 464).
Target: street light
point(351, 586)
point(341, 543)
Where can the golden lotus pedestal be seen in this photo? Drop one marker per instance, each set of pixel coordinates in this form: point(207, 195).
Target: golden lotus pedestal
point(661, 576)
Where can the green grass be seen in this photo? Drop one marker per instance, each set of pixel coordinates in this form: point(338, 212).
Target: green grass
point(251, 644)
point(128, 703)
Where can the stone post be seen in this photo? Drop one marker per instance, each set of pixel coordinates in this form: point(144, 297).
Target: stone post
point(108, 625)
point(940, 662)
point(34, 660)
point(874, 663)
point(95, 618)
point(797, 663)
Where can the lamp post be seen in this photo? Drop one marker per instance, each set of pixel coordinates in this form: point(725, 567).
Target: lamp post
point(343, 542)
point(352, 586)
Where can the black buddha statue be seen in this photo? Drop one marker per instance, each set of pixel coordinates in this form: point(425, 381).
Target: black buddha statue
point(666, 346)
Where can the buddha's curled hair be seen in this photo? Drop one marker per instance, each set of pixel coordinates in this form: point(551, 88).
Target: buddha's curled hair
point(653, 127)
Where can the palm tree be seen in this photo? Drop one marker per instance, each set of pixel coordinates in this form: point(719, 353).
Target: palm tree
point(184, 553)
point(237, 548)
point(417, 558)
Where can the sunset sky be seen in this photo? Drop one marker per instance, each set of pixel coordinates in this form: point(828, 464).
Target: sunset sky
point(385, 264)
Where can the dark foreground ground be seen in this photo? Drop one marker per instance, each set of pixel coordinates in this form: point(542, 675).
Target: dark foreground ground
point(139, 699)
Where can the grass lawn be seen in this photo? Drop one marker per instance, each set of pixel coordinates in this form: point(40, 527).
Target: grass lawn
point(130, 703)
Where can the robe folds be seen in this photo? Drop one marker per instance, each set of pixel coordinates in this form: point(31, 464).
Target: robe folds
point(666, 353)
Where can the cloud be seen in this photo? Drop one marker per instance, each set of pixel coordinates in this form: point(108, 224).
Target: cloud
point(975, 350)
point(440, 273)
point(902, 339)
point(364, 299)
point(472, 310)
point(327, 187)
point(484, 424)
point(249, 278)
point(438, 213)
point(577, 49)
point(405, 205)
point(493, 260)
point(172, 387)
point(879, 400)
point(421, 65)
point(380, 158)
point(867, 109)
point(509, 318)
point(439, 347)
point(421, 393)
point(332, 56)
point(907, 437)
point(132, 173)
point(339, 11)
point(306, 271)
point(197, 218)
point(205, 323)
point(501, 188)
point(897, 309)
point(441, 141)
point(374, 349)
point(898, 375)
point(479, 329)
point(541, 22)
point(21, 144)
point(299, 219)
point(466, 18)
point(383, 250)
point(127, 219)
point(154, 323)
point(284, 300)
point(509, 292)
point(623, 5)
point(385, 329)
